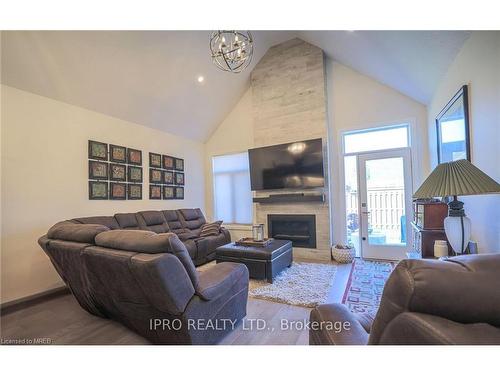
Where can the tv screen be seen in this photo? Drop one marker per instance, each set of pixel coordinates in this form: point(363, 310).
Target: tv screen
point(297, 165)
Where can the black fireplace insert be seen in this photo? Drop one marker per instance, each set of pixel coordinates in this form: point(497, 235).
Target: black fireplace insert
point(300, 229)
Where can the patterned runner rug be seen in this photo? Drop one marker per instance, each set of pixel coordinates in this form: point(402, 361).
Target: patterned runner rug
point(365, 285)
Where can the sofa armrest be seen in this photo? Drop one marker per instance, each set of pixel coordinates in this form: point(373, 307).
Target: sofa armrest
point(202, 247)
point(187, 235)
point(423, 329)
point(334, 324)
point(163, 280)
point(226, 233)
point(217, 280)
point(67, 231)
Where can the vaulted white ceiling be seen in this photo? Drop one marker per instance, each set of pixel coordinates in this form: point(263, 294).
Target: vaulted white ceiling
point(411, 62)
point(150, 77)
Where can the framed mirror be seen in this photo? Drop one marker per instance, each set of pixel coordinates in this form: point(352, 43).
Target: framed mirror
point(452, 126)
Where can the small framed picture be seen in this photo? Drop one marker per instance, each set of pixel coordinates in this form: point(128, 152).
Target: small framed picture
point(168, 192)
point(134, 191)
point(154, 160)
point(154, 191)
point(179, 192)
point(117, 172)
point(134, 157)
point(117, 190)
point(98, 170)
point(117, 154)
point(155, 176)
point(179, 178)
point(168, 177)
point(98, 190)
point(134, 174)
point(98, 150)
point(179, 164)
point(168, 162)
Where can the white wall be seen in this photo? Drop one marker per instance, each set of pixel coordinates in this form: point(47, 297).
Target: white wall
point(355, 102)
point(478, 65)
point(45, 178)
point(233, 135)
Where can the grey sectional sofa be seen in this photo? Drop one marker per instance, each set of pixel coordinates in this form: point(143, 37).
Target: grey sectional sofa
point(185, 223)
point(139, 269)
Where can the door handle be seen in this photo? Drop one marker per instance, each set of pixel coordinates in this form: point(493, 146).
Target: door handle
point(365, 212)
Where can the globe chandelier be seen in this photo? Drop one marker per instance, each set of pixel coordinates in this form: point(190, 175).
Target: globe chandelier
point(232, 50)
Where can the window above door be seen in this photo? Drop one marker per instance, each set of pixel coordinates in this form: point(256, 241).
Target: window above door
point(375, 139)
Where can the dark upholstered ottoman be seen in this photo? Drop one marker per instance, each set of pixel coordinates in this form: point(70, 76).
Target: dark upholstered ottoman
point(262, 262)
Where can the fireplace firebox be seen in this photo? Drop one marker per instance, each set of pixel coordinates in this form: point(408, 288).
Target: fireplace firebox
point(300, 229)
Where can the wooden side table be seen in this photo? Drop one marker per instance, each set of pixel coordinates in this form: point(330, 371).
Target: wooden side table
point(423, 240)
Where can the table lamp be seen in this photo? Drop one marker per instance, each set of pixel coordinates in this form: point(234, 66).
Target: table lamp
point(459, 177)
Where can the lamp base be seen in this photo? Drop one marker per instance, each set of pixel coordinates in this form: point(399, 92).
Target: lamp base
point(453, 230)
point(457, 226)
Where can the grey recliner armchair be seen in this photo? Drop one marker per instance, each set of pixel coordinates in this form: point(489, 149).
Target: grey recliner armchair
point(455, 301)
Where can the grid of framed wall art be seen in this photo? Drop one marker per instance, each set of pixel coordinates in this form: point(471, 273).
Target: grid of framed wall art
point(166, 177)
point(115, 172)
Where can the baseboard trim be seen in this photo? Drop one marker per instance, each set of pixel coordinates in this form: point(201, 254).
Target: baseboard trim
point(22, 303)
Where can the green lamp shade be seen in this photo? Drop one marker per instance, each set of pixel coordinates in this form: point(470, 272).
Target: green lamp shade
point(459, 177)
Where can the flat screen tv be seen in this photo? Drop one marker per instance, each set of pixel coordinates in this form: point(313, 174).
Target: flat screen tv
point(297, 165)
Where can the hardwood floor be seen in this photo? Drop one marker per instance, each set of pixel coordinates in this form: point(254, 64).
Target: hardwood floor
point(62, 321)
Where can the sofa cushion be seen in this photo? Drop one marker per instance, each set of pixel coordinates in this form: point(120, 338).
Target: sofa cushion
point(148, 242)
point(108, 221)
point(67, 231)
point(210, 229)
point(174, 222)
point(170, 215)
point(127, 221)
point(192, 218)
point(152, 217)
point(153, 221)
point(190, 213)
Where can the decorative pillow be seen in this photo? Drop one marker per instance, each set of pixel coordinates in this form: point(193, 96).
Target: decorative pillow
point(210, 229)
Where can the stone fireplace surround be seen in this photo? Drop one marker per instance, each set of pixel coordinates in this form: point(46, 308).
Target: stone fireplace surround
point(289, 105)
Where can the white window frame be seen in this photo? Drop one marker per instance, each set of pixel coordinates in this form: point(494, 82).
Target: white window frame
point(409, 123)
point(233, 198)
point(406, 125)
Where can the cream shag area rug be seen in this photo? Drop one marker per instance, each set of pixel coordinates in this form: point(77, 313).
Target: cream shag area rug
point(303, 284)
